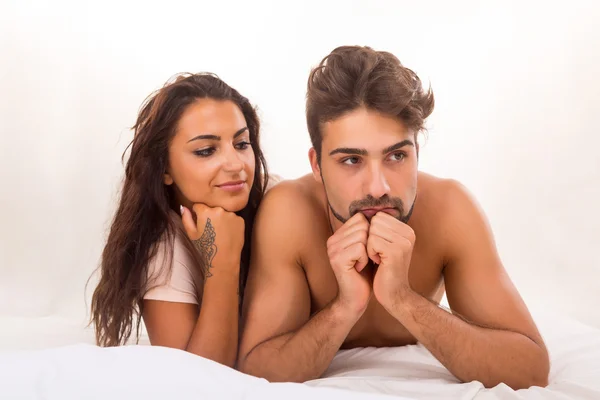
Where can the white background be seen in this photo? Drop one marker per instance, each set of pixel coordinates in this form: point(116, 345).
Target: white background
point(516, 120)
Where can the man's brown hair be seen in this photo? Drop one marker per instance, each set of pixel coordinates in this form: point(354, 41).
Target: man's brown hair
point(351, 77)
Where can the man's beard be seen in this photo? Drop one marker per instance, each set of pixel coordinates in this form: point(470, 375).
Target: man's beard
point(386, 201)
point(370, 201)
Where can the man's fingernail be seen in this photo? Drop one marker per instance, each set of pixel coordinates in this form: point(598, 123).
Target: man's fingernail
point(181, 209)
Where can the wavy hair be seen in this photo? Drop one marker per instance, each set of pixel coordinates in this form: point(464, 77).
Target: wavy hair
point(142, 217)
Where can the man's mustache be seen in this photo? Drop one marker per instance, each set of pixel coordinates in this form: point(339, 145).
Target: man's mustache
point(372, 202)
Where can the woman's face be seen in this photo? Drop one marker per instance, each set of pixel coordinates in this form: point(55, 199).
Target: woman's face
point(210, 157)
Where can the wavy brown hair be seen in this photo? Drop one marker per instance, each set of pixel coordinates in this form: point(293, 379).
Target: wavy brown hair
point(351, 77)
point(142, 217)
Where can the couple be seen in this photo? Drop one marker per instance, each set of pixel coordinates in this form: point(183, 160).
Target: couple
point(359, 253)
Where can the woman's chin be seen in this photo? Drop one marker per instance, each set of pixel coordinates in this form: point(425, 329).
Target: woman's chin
point(227, 204)
point(234, 206)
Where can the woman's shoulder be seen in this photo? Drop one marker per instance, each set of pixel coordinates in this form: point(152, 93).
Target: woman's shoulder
point(274, 179)
point(172, 275)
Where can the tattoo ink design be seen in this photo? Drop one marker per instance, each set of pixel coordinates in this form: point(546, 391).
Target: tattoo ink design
point(207, 247)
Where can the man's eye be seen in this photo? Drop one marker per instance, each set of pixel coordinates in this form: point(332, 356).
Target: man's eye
point(350, 160)
point(398, 156)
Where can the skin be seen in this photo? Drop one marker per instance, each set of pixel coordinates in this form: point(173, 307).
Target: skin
point(211, 147)
point(372, 280)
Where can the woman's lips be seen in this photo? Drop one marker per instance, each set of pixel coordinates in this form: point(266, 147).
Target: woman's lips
point(233, 186)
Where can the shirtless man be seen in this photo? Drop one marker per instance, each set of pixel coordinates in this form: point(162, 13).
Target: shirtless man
point(360, 252)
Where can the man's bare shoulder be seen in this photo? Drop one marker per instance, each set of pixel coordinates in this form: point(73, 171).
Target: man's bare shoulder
point(443, 196)
point(291, 201)
point(287, 223)
point(451, 210)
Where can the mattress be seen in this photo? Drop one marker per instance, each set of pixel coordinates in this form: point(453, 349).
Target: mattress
point(83, 370)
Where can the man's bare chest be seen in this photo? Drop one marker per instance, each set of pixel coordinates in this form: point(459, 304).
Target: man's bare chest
point(377, 327)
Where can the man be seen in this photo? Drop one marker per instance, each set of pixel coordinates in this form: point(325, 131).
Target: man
point(360, 253)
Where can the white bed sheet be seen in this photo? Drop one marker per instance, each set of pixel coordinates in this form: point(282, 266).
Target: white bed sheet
point(87, 372)
point(412, 371)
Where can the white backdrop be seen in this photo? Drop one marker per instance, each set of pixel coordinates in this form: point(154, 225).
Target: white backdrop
point(517, 93)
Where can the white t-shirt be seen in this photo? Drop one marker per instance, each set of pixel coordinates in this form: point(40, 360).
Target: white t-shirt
point(185, 279)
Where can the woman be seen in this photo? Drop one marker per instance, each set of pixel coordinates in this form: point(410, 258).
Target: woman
point(178, 249)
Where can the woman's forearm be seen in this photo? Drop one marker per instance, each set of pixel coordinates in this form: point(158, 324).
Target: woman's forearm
point(215, 335)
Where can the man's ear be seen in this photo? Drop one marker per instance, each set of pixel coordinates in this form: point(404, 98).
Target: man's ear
point(168, 179)
point(314, 164)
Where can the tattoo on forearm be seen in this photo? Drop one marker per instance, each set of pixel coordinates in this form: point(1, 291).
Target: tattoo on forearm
point(207, 247)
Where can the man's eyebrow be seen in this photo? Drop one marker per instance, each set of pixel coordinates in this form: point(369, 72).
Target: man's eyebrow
point(349, 150)
point(398, 146)
point(362, 152)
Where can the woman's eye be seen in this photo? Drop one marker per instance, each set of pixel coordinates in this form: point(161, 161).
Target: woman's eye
point(242, 145)
point(204, 152)
point(350, 161)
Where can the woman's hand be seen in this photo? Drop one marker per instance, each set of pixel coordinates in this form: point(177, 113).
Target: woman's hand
point(217, 234)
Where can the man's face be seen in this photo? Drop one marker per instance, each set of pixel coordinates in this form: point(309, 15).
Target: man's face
point(368, 164)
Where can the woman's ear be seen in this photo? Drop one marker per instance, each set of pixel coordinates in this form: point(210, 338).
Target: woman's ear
point(168, 179)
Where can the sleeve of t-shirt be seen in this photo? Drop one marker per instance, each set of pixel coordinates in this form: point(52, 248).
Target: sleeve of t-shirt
point(273, 180)
point(178, 287)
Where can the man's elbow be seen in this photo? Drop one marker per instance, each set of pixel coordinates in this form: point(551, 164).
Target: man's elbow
point(538, 373)
point(541, 381)
point(242, 364)
point(249, 368)
point(536, 378)
point(523, 381)
point(521, 373)
point(540, 370)
point(247, 364)
point(254, 365)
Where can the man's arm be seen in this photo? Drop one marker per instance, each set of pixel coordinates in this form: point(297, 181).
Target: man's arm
point(280, 341)
point(495, 339)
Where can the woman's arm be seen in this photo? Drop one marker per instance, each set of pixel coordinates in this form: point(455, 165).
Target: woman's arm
point(212, 331)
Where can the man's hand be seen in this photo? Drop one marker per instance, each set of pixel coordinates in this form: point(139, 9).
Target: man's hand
point(347, 253)
point(390, 244)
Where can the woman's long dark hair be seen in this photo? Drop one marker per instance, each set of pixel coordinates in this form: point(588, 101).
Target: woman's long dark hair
point(142, 218)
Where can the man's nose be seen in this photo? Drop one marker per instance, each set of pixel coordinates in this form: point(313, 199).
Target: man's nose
point(378, 184)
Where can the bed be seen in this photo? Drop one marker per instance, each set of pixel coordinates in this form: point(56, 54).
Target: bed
point(84, 371)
